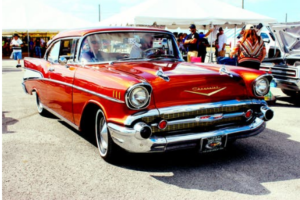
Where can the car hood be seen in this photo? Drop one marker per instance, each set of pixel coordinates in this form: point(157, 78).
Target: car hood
point(188, 83)
point(287, 36)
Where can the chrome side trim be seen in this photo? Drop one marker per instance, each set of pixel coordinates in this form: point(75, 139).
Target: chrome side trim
point(32, 74)
point(126, 137)
point(82, 89)
point(98, 94)
point(55, 81)
point(61, 117)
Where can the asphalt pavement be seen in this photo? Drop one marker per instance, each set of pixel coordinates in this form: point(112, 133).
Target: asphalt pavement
point(43, 158)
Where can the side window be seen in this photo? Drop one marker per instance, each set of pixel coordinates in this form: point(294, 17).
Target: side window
point(68, 48)
point(54, 52)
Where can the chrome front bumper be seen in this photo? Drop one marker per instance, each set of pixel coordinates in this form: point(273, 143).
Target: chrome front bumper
point(288, 84)
point(128, 138)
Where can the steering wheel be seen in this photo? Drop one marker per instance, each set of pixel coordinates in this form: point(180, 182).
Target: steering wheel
point(155, 51)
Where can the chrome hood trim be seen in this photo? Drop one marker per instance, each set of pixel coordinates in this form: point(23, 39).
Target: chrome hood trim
point(287, 36)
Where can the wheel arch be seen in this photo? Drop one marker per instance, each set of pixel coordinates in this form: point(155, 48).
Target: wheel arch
point(88, 114)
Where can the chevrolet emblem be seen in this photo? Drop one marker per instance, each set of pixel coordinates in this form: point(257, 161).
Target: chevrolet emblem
point(206, 94)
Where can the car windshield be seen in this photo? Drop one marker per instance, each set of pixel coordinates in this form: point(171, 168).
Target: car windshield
point(128, 46)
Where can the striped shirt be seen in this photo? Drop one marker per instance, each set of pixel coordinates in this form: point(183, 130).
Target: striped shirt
point(250, 52)
point(17, 42)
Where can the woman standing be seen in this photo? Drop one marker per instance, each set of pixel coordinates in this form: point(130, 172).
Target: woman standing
point(250, 49)
point(180, 43)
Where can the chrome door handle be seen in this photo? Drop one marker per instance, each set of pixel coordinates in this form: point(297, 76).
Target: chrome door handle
point(51, 69)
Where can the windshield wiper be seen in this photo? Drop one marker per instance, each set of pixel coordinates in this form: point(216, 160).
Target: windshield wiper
point(165, 57)
point(130, 59)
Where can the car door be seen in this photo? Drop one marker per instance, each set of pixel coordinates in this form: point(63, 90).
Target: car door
point(61, 77)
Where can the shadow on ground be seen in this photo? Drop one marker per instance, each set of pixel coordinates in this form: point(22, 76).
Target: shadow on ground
point(6, 121)
point(242, 168)
point(6, 70)
point(286, 101)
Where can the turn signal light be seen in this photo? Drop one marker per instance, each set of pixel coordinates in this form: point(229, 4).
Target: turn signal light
point(248, 114)
point(162, 124)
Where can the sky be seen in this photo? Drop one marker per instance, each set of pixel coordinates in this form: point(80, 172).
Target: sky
point(88, 9)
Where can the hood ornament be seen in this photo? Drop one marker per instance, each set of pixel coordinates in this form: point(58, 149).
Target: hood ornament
point(223, 70)
point(160, 73)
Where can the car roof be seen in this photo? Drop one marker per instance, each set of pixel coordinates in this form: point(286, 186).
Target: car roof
point(84, 31)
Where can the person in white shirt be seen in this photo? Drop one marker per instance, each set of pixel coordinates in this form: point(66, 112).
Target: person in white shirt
point(222, 40)
point(16, 44)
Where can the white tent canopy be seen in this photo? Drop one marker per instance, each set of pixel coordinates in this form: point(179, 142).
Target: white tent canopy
point(176, 13)
point(32, 16)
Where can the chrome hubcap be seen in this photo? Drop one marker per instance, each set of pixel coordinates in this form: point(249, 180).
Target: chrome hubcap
point(39, 104)
point(101, 133)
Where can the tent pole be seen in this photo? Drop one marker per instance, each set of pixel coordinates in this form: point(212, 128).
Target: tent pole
point(234, 40)
point(211, 38)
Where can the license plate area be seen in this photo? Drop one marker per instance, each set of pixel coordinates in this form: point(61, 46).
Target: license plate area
point(211, 144)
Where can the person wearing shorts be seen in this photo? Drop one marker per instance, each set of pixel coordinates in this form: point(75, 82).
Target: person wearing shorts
point(192, 43)
point(16, 43)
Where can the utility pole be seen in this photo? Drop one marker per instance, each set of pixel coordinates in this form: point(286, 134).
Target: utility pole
point(242, 4)
point(99, 14)
point(285, 17)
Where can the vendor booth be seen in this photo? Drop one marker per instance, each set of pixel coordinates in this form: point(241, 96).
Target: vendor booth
point(177, 14)
point(43, 23)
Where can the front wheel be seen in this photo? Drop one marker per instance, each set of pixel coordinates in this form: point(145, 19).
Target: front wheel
point(107, 148)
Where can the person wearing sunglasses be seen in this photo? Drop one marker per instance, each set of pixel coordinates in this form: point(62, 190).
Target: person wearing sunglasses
point(92, 45)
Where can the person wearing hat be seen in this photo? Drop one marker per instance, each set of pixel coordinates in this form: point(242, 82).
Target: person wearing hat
point(16, 43)
point(250, 49)
point(203, 44)
point(222, 39)
point(192, 43)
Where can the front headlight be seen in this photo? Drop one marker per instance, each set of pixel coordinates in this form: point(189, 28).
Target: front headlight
point(261, 87)
point(137, 97)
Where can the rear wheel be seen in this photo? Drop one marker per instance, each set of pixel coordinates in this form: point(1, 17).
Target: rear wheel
point(107, 148)
point(40, 107)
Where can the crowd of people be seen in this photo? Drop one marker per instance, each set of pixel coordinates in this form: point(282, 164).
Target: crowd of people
point(250, 49)
point(14, 46)
point(195, 44)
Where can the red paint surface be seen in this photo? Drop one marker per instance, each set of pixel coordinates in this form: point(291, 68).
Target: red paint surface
point(189, 83)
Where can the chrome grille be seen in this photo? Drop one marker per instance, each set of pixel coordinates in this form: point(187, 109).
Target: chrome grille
point(233, 109)
point(196, 124)
point(280, 72)
point(202, 111)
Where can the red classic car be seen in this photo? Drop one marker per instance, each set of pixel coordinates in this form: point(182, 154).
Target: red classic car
point(113, 83)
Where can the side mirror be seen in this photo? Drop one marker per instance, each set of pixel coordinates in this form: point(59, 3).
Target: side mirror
point(62, 60)
point(266, 40)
